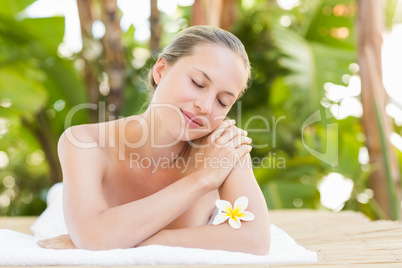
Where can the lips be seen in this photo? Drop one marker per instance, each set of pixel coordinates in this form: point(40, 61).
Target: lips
point(193, 117)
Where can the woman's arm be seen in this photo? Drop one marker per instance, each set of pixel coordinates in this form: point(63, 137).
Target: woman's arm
point(92, 224)
point(253, 237)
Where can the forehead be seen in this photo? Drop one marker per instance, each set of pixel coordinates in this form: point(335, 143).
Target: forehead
point(225, 68)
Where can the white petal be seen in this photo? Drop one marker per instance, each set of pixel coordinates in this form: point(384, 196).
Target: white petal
point(223, 205)
point(235, 224)
point(242, 203)
point(219, 218)
point(247, 216)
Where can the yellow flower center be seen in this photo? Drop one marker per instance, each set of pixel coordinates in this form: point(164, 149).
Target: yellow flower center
point(234, 213)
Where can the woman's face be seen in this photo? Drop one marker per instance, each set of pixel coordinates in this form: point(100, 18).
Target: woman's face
point(202, 86)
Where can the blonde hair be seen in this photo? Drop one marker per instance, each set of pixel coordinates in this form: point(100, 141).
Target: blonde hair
point(183, 44)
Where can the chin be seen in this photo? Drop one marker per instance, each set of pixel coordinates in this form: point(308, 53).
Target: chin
point(189, 136)
point(184, 133)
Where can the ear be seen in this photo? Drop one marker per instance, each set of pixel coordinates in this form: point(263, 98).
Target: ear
point(158, 70)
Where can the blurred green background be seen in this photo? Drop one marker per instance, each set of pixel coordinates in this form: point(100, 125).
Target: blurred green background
point(304, 59)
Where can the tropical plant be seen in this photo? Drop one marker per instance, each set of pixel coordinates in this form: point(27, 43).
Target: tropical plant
point(295, 54)
point(37, 89)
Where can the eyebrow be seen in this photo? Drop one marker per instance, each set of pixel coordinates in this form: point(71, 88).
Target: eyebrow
point(209, 79)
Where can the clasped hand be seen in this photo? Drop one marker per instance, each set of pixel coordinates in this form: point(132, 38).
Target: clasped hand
point(221, 150)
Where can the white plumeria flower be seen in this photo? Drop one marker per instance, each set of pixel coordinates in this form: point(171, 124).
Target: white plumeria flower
point(234, 215)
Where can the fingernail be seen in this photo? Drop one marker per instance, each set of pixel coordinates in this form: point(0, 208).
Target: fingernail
point(249, 139)
point(233, 121)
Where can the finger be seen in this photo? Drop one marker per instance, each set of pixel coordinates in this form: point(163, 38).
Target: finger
point(244, 149)
point(64, 245)
point(226, 123)
point(231, 133)
point(240, 140)
point(46, 243)
point(61, 243)
point(41, 244)
point(222, 127)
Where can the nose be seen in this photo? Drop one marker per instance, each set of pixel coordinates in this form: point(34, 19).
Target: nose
point(204, 103)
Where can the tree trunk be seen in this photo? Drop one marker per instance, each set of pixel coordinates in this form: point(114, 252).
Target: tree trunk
point(48, 141)
point(220, 13)
point(114, 54)
point(229, 14)
point(370, 27)
point(214, 12)
point(197, 17)
point(155, 27)
point(91, 81)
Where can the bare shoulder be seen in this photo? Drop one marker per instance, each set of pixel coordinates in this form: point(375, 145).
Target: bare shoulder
point(89, 136)
point(79, 152)
point(81, 136)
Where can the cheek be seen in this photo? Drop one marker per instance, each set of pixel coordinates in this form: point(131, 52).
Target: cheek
point(216, 121)
point(171, 90)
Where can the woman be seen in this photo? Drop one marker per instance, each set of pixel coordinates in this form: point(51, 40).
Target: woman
point(160, 185)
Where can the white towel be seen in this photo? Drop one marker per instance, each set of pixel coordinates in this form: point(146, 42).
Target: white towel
point(51, 222)
point(21, 249)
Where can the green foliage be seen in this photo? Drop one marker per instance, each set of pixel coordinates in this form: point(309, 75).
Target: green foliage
point(392, 13)
point(22, 181)
point(392, 194)
point(135, 91)
point(291, 66)
point(10, 8)
point(37, 89)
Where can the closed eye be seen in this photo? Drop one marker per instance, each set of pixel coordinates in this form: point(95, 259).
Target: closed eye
point(197, 85)
point(223, 105)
